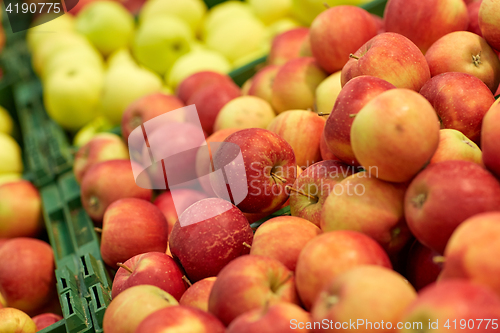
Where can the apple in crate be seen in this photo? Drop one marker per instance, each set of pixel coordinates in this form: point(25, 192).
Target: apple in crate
point(27, 280)
point(449, 94)
point(287, 46)
point(198, 81)
point(20, 210)
point(102, 147)
point(181, 319)
point(391, 57)
point(16, 321)
point(454, 145)
point(213, 232)
point(465, 52)
point(280, 317)
point(261, 84)
point(198, 294)
point(422, 266)
point(330, 254)
point(444, 195)
point(489, 16)
point(369, 293)
point(99, 189)
point(131, 307)
point(130, 227)
point(250, 282)
point(490, 136)
point(152, 268)
point(45, 320)
point(282, 238)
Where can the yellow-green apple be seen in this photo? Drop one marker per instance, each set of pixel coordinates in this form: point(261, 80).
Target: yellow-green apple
point(371, 206)
point(203, 161)
point(45, 320)
point(364, 294)
point(198, 81)
point(280, 317)
point(490, 136)
point(190, 11)
point(212, 233)
point(338, 32)
point(37, 34)
point(147, 108)
point(224, 11)
point(130, 227)
point(468, 250)
point(286, 46)
point(454, 145)
point(6, 122)
point(307, 10)
point(452, 306)
point(473, 56)
point(392, 57)
point(473, 10)
point(489, 16)
point(131, 307)
point(197, 295)
point(282, 238)
point(312, 188)
point(327, 93)
point(184, 197)
point(107, 24)
point(330, 254)
point(209, 101)
point(422, 268)
point(20, 210)
point(302, 130)
point(152, 268)
point(295, 84)
point(10, 177)
point(270, 167)
point(102, 147)
point(270, 11)
point(181, 319)
point(27, 280)
point(357, 93)
point(411, 18)
point(99, 190)
point(262, 83)
point(395, 134)
point(10, 155)
point(100, 124)
point(251, 282)
point(442, 196)
point(449, 94)
point(244, 112)
point(16, 321)
point(326, 153)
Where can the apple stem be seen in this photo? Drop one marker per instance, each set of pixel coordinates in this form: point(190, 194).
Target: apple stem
point(439, 259)
point(315, 198)
point(353, 56)
point(321, 114)
point(247, 245)
point(278, 177)
point(290, 275)
point(125, 267)
point(352, 115)
point(185, 279)
point(98, 230)
point(326, 5)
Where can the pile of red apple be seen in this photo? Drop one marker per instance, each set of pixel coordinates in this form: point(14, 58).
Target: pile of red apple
point(394, 197)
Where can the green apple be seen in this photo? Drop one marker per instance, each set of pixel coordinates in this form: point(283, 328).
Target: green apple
point(38, 34)
point(107, 24)
point(262, 51)
point(307, 10)
point(190, 11)
point(71, 95)
point(6, 123)
point(10, 155)
point(327, 92)
point(269, 11)
point(190, 63)
point(86, 133)
point(8, 178)
point(279, 27)
point(84, 55)
point(224, 11)
point(160, 41)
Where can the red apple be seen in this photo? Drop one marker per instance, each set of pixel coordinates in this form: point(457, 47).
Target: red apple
point(262, 83)
point(364, 294)
point(295, 85)
point(444, 195)
point(302, 130)
point(27, 280)
point(280, 317)
point(130, 227)
point(102, 147)
point(198, 294)
point(473, 10)
point(465, 52)
point(330, 254)
point(287, 46)
point(422, 268)
point(412, 18)
point(339, 31)
point(489, 16)
point(198, 81)
point(282, 238)
point(45, 320)
point(391, 57)
point(153, 268)
point(452, 306)
point(449, 94)
point(250, 282)
point(16, 321)
point(379, 22)
point(490, 136)
point(208, 235)
point(453, 145)
point(313, 186)
point(326, 153)
point(350, 101)
point(20, 210)
point(395, 134)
